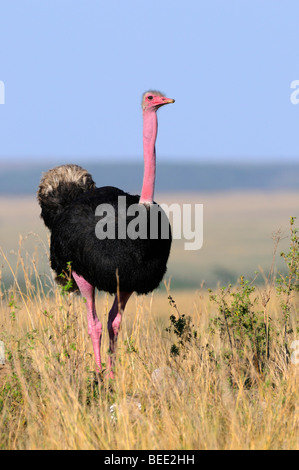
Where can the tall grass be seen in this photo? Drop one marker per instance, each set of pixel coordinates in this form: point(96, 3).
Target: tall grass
point(178, 384)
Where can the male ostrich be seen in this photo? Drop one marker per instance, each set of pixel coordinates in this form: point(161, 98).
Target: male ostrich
point(68, 198)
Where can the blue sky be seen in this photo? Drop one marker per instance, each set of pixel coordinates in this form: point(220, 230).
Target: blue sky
point(74, 72)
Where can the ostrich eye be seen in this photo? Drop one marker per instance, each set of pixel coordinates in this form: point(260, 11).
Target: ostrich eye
point(150, 97)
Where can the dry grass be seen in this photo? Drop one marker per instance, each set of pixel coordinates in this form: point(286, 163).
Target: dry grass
point(51, 398)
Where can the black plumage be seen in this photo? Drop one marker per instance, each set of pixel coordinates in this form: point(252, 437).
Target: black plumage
point(139, 264)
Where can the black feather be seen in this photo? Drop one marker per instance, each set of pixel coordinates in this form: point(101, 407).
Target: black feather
point(140, 263)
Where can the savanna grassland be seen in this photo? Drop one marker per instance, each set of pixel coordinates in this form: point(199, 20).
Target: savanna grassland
point(205, 367)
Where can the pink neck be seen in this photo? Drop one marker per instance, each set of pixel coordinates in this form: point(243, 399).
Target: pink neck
point(150, 128)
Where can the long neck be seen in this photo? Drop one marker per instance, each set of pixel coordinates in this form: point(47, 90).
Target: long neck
point(150, 128)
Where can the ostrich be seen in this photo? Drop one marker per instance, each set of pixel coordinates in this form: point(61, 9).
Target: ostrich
point(69, 198)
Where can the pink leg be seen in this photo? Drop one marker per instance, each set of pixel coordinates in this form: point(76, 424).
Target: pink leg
point(94, 325)
point(114, 321)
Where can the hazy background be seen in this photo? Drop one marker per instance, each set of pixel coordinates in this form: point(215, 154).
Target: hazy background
point(74, 72)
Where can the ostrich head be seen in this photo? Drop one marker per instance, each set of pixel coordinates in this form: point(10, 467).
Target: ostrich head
point(152, 100)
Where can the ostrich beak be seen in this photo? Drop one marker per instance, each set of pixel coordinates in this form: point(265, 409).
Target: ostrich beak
point(168, 100)
point(163, 101)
